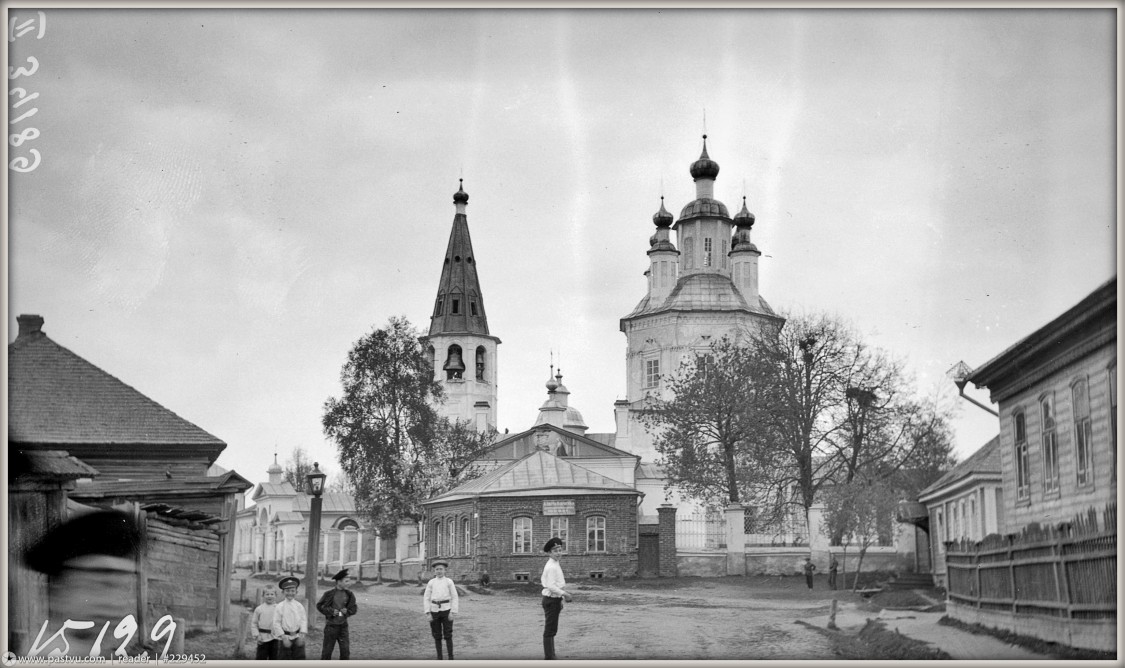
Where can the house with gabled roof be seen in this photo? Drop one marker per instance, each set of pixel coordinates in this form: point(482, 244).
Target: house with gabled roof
point(141, 457)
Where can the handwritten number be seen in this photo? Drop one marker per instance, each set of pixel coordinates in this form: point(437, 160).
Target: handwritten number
point(17, 139)
point(30, 113)
point(24, 97)
point(170, 631)
point(126, 628)
point(14, 71)
point(21, 163)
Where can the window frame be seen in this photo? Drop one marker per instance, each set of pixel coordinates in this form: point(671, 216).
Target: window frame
point(1022, 456)
point(596, 533)
point(562, 534)
point(651, 372)
point(1082, 417)
point(518, 531)
point(1049, 441)
point(466, 528)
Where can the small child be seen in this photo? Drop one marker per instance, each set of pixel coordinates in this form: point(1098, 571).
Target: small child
point(809, 568)
point(261, 624)
point(439, 604)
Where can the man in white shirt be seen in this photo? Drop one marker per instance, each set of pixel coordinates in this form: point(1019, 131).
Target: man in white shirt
point(290, 622)
point(553, 594)
point(439, 604)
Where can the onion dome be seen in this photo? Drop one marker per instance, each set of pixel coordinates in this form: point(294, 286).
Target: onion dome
point(662, 218)
point(705, 167)
point(460, 197)
point(274, 468)
point(552, 384)
point(744, 218)
point(704, 206)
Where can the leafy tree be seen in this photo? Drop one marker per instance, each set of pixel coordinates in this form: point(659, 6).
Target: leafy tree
point(297, 468)
point(859, 512)
point(708, 431)
point(394, 448)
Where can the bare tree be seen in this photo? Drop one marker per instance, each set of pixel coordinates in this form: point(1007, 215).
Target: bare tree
point(297, 468)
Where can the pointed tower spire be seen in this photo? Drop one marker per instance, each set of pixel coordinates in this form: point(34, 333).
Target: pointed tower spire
point(460, 304)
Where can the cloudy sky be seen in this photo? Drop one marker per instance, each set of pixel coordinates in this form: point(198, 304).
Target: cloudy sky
point(228, 199)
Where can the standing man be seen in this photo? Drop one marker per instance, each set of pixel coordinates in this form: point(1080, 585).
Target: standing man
point(439, 604)
point(809, 568)
point(553, 594)
point(833, 565)
point(290, 621)
point(337, 605)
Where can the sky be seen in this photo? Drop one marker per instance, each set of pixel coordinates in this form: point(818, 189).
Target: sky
point(227, 200)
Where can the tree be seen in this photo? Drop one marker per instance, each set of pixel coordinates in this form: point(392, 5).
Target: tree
point(394, 448)
point(859, 512)
point(297, 468)
point(707, 431)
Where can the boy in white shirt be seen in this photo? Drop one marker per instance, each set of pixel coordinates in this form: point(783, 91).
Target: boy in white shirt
point(261, 625)
point(553, 594)
point(290, 621)
point(439, 604)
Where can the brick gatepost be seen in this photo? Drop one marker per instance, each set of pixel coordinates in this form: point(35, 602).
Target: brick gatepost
point(667, 531)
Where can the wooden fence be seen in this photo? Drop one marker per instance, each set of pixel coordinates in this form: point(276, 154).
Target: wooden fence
point(1068, 571)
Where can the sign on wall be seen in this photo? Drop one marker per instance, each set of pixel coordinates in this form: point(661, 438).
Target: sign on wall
point(555, 507)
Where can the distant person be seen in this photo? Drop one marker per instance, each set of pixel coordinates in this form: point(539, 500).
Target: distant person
point(337, 604)
point(833, 565)
point(261, 565)
point(92, 563)
point(262, 624)
point(439, 604)
point(553, 594)
point(809, 567)
point(290, 621)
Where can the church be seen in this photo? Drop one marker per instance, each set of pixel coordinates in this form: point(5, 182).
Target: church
point(600, 492)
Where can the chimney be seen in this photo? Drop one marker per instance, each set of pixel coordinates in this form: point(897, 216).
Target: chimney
point(29, 325)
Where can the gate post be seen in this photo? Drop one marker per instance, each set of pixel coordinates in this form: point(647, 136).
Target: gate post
point(666, 561)
point(736, 539)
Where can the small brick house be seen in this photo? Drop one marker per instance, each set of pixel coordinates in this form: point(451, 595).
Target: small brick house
point(498, 523)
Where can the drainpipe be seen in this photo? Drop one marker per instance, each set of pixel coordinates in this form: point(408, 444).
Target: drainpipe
point(960, 373)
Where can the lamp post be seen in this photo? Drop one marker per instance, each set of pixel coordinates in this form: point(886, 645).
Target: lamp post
point(316, 488)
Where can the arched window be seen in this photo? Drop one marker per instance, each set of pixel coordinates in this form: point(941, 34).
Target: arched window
point(521, 535)
point(473, 310)
point(480, 362)
point(1023, 466)
point(465, 536)
point(454, 364)
point(437, 538)
point(595, 534)
point(1083, 452)
point(451, 549)
point(1050, 444)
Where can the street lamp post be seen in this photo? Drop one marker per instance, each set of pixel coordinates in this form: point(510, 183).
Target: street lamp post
point(316, 488)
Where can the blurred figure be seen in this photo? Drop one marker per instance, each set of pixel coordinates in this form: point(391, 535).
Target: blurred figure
point(91, 560)
point(833, 566)
point(809, 567)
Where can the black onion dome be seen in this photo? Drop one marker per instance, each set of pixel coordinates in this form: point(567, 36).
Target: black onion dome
point(705, 167)
point(744, 218)
point(662, 218)
point(460, 197)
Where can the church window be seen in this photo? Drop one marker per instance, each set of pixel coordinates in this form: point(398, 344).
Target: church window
point(707, 252)
point(595, 534)
point(521, 535)
point(480, 362)
point(440, 303)
point(652, 372)
point(1080, 401)
point(472, 307)
point(1023, 470)
point(689, 249)
point(456, 306)
point(559, 529)
point(1050, 444)
point(724, 256)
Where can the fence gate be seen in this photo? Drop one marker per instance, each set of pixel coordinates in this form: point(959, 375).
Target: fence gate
point(648, 555)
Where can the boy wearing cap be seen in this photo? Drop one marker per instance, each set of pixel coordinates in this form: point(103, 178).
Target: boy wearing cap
point(262, 624)
point(439, 604)
point(337, 604)
point(290, 621)
point(553, 594)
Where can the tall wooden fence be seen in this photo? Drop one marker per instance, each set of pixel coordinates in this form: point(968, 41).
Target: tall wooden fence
point(1068, 571)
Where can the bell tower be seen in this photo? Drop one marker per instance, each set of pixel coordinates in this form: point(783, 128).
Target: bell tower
point(462, 350)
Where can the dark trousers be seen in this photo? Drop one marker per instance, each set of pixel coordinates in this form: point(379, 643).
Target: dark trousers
point(441, 625)
point(551, 609)
point(808, 579)
point(336, 633)
point(295, 651)
point(831, 579)
point(268, 650)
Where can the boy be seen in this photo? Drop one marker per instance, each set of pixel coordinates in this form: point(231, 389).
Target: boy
point(337, 604)
point(290, 622)
point(809, 568)
point(553, 594)
point(439, 604)
point(261, 624)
